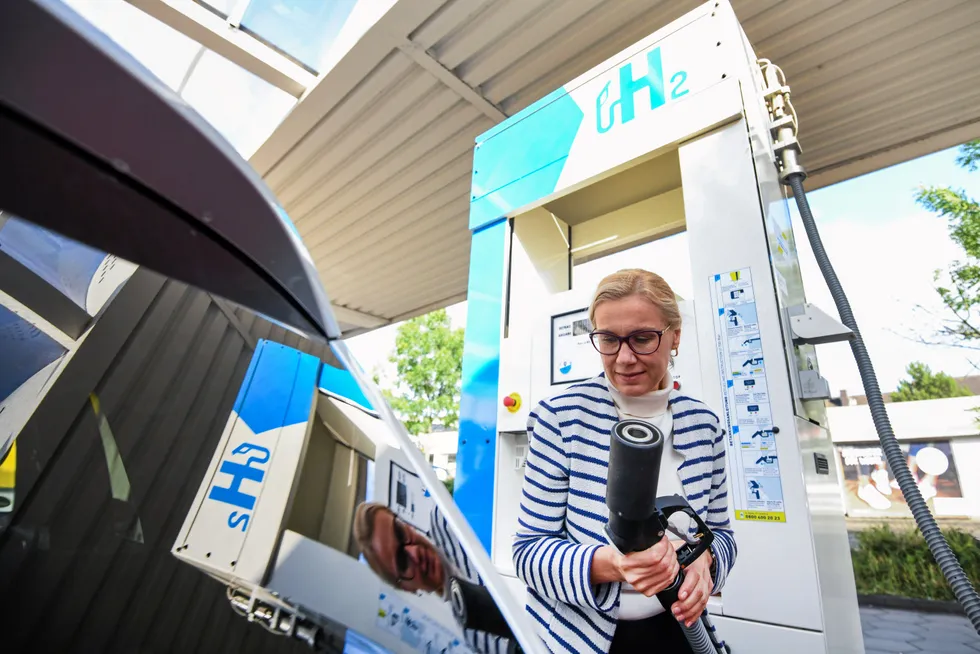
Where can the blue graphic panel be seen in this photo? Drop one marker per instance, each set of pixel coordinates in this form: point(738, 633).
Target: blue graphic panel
point(278, 389)
point(302, 29)
point(24, 350)
point(355, 643)
point(341, 383)
point(67, 265)
point(304, 390)
point(508, 173)
point(481, 369)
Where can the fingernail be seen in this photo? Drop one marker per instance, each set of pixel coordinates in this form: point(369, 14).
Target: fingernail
point(677, 611)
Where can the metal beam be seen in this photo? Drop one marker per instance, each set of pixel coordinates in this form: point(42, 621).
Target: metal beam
point(418, 54)
point(36, 300)
point(229, 312)
point(359, 318)
point(213, 32)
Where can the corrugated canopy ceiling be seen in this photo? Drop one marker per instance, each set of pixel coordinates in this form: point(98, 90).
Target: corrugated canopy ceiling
point(374, 163)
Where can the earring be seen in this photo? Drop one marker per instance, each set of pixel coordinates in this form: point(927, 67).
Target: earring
point(673, 352)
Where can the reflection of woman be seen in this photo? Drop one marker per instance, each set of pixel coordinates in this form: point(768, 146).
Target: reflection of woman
point(408, 560)
point(584, 595)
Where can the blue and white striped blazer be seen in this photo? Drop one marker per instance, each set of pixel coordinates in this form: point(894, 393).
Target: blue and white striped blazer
point(445, 541)
point(563, 509)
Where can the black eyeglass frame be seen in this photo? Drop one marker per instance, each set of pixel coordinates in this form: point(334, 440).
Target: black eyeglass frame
point(401, 554)
point(626, 339)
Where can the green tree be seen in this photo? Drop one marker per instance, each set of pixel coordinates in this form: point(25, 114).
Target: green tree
point(926, 385)
point(428, 359)
point(961, 295)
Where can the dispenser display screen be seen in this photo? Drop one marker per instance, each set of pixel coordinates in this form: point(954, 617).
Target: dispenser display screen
point(755, 486)
point(407, 497)
point(573, 358)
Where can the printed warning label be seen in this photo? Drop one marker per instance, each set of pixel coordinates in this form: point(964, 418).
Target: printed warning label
point(755, 485)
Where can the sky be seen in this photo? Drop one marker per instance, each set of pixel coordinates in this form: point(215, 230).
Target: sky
point(882, 245)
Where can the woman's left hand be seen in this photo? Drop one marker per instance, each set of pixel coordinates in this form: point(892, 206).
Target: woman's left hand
point(695, 590)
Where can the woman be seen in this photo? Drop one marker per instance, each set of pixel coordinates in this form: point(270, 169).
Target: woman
point(585, 596)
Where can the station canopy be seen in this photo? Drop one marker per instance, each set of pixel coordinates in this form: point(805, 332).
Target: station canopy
point(361, 114)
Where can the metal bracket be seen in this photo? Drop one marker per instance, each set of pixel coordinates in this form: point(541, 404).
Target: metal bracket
point(783, 123)
point(812, 326)
point(813, 386)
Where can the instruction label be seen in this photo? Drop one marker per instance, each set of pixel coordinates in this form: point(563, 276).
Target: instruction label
point(416, 629)
point(756, 489)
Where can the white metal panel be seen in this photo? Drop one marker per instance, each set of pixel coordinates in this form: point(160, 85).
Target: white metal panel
point(761, 638)
point(309, 574)
point(832, 548)
point(272, 506)
point(720, 165)
point(370, 161)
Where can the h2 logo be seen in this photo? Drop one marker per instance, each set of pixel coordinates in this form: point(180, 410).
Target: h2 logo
point(253, 470)
point(652, 83)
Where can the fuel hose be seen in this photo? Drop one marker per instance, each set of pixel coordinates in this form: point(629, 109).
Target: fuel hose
point(957, 579)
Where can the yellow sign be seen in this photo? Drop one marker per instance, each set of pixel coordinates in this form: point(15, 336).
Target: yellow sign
point(8, 468)
point(761, 516)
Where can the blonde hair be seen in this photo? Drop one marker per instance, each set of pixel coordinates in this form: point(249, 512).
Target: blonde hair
point(364, 520)
point(636, 281)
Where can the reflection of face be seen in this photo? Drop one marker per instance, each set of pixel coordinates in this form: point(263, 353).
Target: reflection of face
point(406, 554)
point(631, 373)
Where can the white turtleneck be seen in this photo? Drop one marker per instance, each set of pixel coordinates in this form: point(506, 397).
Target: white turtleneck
point(652, 407)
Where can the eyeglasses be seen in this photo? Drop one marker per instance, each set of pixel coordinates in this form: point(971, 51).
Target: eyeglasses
point(644, 341)
point(402, 562)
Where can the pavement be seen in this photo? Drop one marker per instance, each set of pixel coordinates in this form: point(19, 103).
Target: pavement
point(894, 631)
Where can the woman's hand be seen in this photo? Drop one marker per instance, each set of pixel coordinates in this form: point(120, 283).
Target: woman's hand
point(695, 590)
point(651, 570)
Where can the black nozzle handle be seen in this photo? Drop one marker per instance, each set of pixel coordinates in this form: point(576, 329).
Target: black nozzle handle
point(474, 608)
point(687, 553)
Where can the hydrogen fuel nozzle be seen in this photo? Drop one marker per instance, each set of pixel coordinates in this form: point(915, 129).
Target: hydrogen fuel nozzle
point(638, 519)
point(474, 608)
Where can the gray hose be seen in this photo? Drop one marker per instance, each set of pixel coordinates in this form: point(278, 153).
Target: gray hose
point(698, 638)
point(720, 646)
point(965, 594)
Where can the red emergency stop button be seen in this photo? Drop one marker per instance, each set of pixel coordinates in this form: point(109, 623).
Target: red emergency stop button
point(513, 402)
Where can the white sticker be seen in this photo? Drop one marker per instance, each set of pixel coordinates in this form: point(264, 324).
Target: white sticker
point(756, 489)
point(415, 628)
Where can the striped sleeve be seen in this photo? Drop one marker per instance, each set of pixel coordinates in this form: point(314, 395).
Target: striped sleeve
point(444, 539)
point(723, 548)
point(544, 557)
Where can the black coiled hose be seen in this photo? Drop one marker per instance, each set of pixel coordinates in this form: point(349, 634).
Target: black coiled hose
point(965, 594)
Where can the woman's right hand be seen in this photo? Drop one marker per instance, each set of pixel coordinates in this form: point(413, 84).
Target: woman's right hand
point(651, 570)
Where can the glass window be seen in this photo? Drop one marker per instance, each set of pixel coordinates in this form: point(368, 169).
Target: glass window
point(221, 7)
point(24, 350)
point(301, 29)
point(67, 265)
point(163, 50)
point(871, 490)
point(244, 108)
